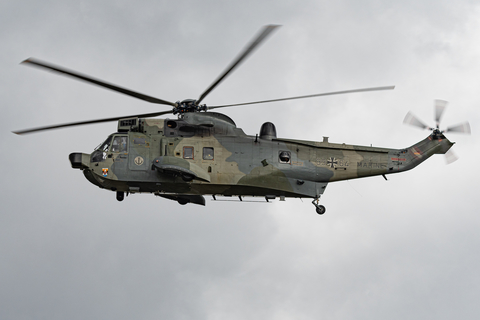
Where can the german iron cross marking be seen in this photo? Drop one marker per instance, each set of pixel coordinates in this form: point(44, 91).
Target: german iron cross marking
point(332, 162)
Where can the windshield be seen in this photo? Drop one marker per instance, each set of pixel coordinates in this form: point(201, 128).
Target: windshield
point(105, 145)
point(100, 153)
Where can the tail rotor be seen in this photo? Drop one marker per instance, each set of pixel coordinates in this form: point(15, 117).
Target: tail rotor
point(460, 128)
point(439, 108)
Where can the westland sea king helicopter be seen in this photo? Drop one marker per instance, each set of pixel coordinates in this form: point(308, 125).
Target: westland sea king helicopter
point(202, 152)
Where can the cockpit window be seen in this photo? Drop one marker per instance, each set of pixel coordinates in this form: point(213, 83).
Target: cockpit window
point(100, 153)
point(119, 144)
point(104, 146)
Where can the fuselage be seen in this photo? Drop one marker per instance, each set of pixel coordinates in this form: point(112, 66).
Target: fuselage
point(206, 154)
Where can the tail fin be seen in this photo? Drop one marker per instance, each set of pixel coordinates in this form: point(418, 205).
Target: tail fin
point(409, 158)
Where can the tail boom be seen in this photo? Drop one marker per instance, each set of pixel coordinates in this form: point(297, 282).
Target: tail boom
point(409, 158)
point(361, 162)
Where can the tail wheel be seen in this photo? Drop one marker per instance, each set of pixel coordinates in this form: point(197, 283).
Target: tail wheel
point(321, 209)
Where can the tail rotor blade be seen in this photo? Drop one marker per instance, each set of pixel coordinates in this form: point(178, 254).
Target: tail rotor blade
point(460, 128)
point(450, 156)
point(440, 106)
point(412, 120)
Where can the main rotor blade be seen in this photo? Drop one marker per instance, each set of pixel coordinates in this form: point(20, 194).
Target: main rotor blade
point(460, 128)
point(101, 83)
point(71, 124)
point(440, 106)
point(307, 96)
point(255, 42)
point(414, 121)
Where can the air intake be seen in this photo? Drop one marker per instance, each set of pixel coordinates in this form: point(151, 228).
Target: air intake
point(268, 131)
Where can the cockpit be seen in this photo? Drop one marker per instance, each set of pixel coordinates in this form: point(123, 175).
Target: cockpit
point(115, 143)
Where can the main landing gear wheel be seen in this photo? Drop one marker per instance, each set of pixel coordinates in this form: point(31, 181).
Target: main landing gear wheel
point(120, 195)
point(321, 209)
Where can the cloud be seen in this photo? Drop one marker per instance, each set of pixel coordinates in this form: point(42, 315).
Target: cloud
point(403, 248)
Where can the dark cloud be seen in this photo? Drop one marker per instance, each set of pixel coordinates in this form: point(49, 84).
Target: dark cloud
point(403, 248)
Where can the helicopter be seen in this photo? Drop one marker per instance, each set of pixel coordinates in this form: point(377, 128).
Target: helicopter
point(203, 152)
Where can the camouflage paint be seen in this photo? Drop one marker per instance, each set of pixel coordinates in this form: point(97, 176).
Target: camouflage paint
point(242, 165)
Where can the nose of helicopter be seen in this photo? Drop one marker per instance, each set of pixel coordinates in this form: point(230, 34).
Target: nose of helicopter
point(79, 160)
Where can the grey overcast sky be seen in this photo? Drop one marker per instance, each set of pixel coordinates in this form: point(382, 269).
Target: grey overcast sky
point(406, 248)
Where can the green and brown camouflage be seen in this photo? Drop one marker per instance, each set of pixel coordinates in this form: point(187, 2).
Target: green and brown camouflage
point(206, 154)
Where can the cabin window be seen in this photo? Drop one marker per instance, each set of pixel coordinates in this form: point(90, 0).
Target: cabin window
point(207, 153)
point(284, 156)
point(187, 152)
point(120, 144)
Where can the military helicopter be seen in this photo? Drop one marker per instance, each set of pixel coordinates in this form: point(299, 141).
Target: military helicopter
point(202, 152)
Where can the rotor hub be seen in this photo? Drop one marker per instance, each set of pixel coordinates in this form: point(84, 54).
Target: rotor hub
point(188, 105)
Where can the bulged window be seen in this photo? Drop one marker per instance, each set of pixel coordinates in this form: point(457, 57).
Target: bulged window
point(284, 157)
